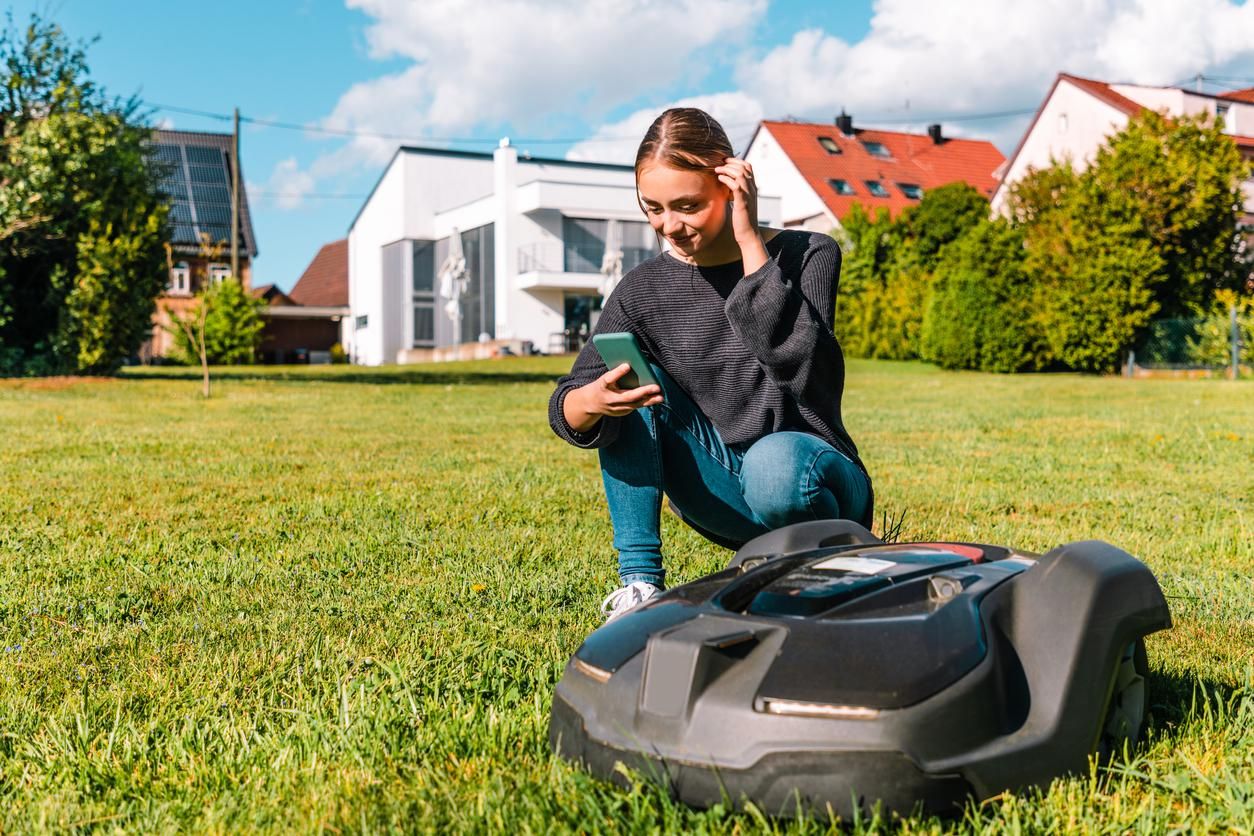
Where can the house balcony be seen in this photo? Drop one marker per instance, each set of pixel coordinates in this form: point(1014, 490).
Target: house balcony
point(601, 200)
point(553, 265)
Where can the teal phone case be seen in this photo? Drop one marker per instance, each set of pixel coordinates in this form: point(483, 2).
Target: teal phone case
point(618, 348)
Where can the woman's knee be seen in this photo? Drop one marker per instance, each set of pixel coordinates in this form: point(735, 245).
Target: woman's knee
point(787, 478)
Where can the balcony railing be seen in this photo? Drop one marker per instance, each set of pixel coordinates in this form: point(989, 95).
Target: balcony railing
point(556, 257)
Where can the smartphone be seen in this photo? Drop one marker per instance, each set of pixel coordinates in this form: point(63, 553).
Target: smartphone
point(618, 348)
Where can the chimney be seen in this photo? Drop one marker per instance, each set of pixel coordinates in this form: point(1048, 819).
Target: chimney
point(845, 122)
point(934, 131)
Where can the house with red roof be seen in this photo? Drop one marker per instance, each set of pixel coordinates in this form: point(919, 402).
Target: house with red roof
point(821, 171)
point(1078, 114)
point(303, 324)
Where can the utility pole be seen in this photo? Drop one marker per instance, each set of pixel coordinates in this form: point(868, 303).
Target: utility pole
point(235, 200)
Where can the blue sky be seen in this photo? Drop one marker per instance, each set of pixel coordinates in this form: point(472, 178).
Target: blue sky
point(539, 70)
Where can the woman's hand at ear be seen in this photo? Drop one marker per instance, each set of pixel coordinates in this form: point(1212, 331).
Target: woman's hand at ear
point(583, 407)
point(737, 176)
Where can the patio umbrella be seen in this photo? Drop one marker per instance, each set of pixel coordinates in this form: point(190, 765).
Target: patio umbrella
point(612, 261)
point(453, 283)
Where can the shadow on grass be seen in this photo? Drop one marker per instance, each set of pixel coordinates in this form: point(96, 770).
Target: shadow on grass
point(1175, 698)
point(438, 377)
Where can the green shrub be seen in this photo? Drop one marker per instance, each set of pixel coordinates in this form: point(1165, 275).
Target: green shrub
point(1211, 343)
point(232, 326)
point(886, 281)
point(978, 315)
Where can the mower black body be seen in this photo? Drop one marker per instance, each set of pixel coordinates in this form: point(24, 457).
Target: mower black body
point(827, 671)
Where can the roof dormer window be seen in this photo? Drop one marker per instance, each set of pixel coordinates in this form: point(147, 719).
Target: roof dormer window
point(876, 188)
point(841, 187)
point(911, 190)
point(829, 145)
point(876, 149)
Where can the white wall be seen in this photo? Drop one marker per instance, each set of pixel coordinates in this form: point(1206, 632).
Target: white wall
point(413, 188)
point(424, 196)
point(1072, 125)
point(380, 222)
point(777, 174)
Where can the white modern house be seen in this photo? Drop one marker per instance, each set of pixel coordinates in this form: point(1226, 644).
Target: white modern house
point(1078, 114)
point(533, 235)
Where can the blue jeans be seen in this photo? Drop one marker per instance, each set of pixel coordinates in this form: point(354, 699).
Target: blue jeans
point(733, 491)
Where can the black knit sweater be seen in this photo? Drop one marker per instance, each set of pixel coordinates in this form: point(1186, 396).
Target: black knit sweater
point(755, 353)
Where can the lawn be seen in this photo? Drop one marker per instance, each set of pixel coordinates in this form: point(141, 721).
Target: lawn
point(339, 599)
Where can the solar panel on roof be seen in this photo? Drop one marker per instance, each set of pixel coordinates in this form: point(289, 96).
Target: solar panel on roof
point(208, 174)
point(204, 156)
point(197, 179)
point(208, 193)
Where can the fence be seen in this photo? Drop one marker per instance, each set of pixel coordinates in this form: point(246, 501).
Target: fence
point(1195, 347)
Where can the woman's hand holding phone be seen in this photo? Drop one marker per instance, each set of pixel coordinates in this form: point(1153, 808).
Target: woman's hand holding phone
point(585, 406)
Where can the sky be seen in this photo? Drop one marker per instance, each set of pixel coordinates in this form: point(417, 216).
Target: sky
point(350, 80)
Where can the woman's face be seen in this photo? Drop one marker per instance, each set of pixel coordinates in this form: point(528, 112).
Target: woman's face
point(687, 208)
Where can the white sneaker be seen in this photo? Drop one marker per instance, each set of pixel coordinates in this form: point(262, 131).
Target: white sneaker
point(628, 598)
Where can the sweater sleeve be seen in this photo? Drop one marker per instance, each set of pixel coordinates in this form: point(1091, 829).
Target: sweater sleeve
point(588, 367)
point(788, 325)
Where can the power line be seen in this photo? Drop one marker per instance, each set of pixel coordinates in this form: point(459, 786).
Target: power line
point(319, 195)
point(273, 123)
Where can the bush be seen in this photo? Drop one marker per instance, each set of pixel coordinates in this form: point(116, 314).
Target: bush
point(232, 326)
point(887, 281)
point(978, 316)
point(1211, 343)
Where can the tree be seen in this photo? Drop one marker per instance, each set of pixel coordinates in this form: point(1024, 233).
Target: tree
point(979, 315)
point(1149, 229)
point(887, 276)
point(229, 329)
point(82, 219)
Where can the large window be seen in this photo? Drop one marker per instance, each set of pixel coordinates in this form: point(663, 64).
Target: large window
point(479, 303)
point(424, 293)
point(432, 326)
point(584, 243)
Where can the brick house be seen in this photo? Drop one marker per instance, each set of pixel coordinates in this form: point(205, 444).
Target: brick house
point(197, 180)
point(303, 324)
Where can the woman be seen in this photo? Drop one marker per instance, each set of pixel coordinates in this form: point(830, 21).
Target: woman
point(744, 432)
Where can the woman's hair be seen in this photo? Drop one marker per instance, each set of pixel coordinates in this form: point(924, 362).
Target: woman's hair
point(685, 138)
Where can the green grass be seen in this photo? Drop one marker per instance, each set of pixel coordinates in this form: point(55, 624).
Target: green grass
point(340, 598)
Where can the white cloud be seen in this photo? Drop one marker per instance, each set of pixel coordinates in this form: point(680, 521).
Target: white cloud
point(985, 56)
point(548, 67)
point(526, 61)
point(531, 65)
point(287, 186)
point(617, 142)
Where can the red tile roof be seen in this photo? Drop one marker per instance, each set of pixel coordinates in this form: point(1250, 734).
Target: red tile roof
point(272, 295)
point(1103, 91)
point(325, 280)
point(1246, 95)
point(914, 160)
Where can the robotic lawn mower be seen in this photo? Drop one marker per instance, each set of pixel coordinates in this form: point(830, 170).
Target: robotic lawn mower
point(824, 669)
